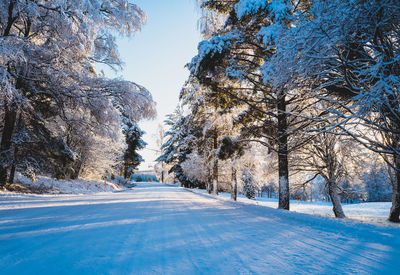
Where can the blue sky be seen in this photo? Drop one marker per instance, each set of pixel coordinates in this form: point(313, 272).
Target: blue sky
point(156, 56)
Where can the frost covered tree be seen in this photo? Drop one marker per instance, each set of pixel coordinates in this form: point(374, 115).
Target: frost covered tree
point(161, 167)
point(197, 134)
point(377, 183)
point(326, 155)
point(204, 119)
point(231, 63)
point(180, 141)
point(132, 159)
point(348, 51)
point(249, 188)
point(232, 150)
point(210, 20)
point(48, 50)
point(196, 167)
point(278, 60)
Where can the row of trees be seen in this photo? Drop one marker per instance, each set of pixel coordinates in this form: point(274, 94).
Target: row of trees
point(59, 116)
point(314, 82)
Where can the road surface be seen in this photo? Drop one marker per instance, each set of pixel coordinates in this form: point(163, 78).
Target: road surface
point(160, 229)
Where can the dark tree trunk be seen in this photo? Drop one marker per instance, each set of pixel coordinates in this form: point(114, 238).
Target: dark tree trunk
point(125, 172)
point(234, 185)
point(283, 163)
point(395, 209)
point(10, 116)
point(13, 167)
point(12, 174)
point(11, 18)
point(15, 157)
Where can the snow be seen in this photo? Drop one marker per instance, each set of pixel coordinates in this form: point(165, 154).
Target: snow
point(161, 229)
point(213, 47)
point(370, 212)
point(51, 185)
point(245, 7)
point(269, 33)
point(278, 8)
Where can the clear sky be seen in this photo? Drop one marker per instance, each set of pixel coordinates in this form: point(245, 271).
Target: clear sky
point(156, 56)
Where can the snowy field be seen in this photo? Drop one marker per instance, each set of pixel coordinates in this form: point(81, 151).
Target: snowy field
point(370, 212)
point(160, 229)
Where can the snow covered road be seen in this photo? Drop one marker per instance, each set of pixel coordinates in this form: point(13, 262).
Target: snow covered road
point(160, 229)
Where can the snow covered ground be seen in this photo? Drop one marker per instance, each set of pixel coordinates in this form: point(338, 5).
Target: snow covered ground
point(161, 229)
point(50, 185)
point(370, 212)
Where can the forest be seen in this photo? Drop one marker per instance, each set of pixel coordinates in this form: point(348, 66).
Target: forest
point(298, 99)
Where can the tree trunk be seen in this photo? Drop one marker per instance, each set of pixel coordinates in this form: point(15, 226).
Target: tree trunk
point(12, 174)
point(215, 187)
point(283, 163)
point(337, 205)
point(10, 117)
point(77, 167)
point(234, 185)
point(208, 184)
point(121, 171)
point(126, 172)
point(215, 168)
point(13, 167)
point(15, 160)
point(11, 19)
point(395, 209)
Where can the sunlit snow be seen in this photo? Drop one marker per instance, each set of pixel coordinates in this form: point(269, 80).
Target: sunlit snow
point(162, 229)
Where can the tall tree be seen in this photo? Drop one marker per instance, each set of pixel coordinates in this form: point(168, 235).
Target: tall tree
point(231, 64)
point(48, 51)
point(180, 137)
point(132, 159)
point(348, 51)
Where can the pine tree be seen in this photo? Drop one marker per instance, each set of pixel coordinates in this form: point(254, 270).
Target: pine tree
point(249, 187)
point(232, 65)
point(133, 137)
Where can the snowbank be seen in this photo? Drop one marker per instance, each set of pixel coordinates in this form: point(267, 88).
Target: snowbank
point(47, 185)
point(369, 212)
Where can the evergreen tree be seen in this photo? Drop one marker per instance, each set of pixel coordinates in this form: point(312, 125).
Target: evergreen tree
point(249, 187)
point(182, 137)
point(133, 137)
point(231, 64)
